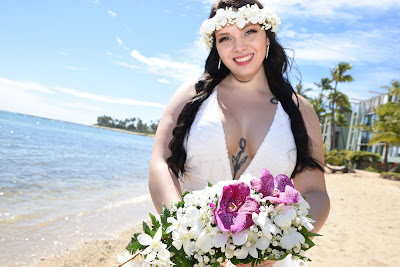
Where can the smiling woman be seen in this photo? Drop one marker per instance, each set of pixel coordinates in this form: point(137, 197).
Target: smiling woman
point(241, 116)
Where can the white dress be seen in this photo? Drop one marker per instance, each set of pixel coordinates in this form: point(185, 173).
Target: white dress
point(207, 155)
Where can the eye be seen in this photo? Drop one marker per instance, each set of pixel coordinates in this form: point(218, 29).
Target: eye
point(223, 39)
point(250, 32)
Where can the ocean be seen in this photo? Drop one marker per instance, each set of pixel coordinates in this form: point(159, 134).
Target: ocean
point(63, 183)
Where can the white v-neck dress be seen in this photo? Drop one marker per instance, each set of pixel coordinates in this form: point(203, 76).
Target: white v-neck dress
point(207, 155)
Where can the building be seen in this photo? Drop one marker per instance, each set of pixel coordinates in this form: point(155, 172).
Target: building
point(355, 137)
point(364, 114)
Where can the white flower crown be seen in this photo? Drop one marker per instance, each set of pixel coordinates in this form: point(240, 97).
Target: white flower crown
point(266, 17)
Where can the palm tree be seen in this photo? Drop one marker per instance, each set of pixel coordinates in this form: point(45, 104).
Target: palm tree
point(394, 89)
point(318, 104)
point(387, 128)
point(300, 91)
point(338, 76)
point(319, 108)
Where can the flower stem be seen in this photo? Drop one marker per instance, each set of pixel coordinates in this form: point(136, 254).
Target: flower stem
point(137, 253)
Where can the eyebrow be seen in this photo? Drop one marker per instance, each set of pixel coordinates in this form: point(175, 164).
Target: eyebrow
point(225, 33)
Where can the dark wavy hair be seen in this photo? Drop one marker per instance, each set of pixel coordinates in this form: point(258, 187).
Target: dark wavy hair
point(275, 66)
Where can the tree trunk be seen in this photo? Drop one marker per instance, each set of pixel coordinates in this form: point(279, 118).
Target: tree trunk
point(333, 124)
point(385, 160)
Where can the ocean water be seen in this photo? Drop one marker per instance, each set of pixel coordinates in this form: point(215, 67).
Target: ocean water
point(63, 183)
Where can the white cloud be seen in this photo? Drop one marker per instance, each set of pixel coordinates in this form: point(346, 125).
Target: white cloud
point(351, 46)
point(25, 85)
point(165, 81)
point(323, 9)
point(106, 99)
point(124, 64)
point(62, 53)
point(122, 44)
point(83, 106)
point(75, 68)
point(180, 71)
point(32, 98)
point(112, 13)
point(326, 8)
point(15, 97)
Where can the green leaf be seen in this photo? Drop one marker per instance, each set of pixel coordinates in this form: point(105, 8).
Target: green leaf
point(165, 213)
point(134, 244)
point(146, 229)
point(210, 184)
point(155, 223)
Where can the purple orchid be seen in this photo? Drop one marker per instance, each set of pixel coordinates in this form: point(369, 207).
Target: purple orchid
point(278, 190)
point(235, 208)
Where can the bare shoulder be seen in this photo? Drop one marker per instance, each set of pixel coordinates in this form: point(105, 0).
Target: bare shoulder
point(182, 96)
point(308, 113)
point(169, 118)
point(313, 127)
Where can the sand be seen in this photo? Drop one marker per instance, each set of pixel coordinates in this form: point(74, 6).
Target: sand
point(363, 228)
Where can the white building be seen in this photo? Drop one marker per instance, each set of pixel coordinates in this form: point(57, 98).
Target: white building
point(363, 114)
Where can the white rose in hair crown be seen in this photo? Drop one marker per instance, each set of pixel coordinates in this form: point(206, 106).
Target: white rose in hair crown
point(245, 221)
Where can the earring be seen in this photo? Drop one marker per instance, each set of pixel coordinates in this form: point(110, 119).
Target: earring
point(219, 64)
point(266, 55)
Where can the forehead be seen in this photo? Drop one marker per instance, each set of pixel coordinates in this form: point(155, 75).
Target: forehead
point(234, 28)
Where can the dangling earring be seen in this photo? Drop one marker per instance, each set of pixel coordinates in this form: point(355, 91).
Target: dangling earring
point(219, 64)
point(266, 55)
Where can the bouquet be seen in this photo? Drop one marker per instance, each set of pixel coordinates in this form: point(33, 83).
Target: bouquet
point(245, 221)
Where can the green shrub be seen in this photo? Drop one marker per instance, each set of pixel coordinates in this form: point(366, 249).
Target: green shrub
point(371, 169)
point(356, 157)
point(338, 157)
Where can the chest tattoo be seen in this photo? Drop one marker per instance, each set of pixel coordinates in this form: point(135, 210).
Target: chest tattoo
point(237, 161)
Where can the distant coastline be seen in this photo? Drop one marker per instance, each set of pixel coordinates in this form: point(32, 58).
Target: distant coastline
point(122, 130)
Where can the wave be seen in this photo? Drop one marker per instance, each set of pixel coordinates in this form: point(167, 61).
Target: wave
point(127, 202)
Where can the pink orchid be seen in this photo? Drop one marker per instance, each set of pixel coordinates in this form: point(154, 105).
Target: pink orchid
point(235, 208)
point(278, 190)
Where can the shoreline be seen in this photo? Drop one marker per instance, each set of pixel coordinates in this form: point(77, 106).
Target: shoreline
point(360, 231)
point(121, 130)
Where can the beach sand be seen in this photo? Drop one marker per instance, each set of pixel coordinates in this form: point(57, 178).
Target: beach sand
point(362, 228)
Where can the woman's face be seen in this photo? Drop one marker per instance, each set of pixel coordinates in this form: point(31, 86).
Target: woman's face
point(242, 50)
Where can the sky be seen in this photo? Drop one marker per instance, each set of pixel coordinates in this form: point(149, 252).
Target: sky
point(77, 60)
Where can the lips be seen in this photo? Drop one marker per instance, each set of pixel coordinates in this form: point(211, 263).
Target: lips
point(244, 59)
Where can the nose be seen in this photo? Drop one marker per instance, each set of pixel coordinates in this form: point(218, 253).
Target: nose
point(240, 45)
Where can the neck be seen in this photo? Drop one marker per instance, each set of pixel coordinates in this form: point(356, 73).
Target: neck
point(242, 81)
point(256, 83)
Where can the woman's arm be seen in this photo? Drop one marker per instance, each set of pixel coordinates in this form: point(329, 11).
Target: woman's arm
point(163, 184)
point(311, 182)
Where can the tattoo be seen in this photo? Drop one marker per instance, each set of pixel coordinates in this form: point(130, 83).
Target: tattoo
point(237, 163)
point(274, 101)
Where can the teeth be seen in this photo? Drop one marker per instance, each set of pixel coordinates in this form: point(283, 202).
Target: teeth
point(243, 59)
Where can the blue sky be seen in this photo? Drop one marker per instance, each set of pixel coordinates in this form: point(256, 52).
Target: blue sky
point(76, 60)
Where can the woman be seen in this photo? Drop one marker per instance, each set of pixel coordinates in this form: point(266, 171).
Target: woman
point(240, 117)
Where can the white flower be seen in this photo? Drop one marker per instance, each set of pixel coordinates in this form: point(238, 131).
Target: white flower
point(241, 253)
point(245, 14)
point(239, 238)
point(176, 223)
point(268, 228)
point(220, 239)
point(183, 238)
point(291, 238)
point(253, 243)
point(307, 223)
point(155, 247)
point(205, 239)
point(284, 220)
